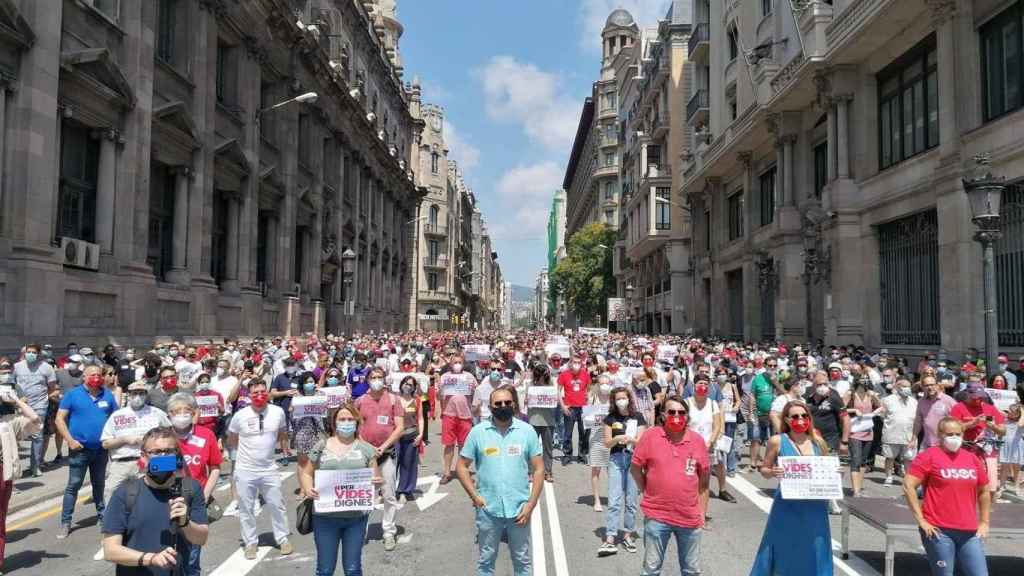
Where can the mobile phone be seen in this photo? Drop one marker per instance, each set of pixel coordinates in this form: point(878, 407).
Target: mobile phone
point(988, 418)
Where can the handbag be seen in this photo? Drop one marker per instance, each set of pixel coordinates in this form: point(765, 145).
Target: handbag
point(304, 517)
point(214, 511)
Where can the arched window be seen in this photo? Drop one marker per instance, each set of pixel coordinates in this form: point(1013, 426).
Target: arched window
point(434, 211)
point(435, 162)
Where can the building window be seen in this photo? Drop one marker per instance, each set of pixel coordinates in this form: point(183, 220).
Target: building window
point(432, 281)
point(1001, 62)
point(219, 238)
point(1009, 262)
point(707, 230)
point(80, 155)
point(734, 43)
point(435, 163)
point(609, 217)
point(225, 71)
point(609, 191)
point(730, 103)
point(112, 8)
point(820, 168)
point(434, 212)
point(767, 197)
point(908, 263)
point(166, 25)
point(262, 246)
point(609, 159)
point(735, 212)
point(267, 121)
point(766, 7)
point(161, 220)
point(662, 209)
point(908, 105)
point(609, 100)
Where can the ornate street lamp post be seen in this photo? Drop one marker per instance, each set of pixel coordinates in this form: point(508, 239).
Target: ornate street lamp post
point(629, 304)
point(984, 192)
point(348, 269)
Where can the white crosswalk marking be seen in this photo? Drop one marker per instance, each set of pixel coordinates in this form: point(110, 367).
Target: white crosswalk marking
point(537, 540)
point(557, 545)
point(237, 565)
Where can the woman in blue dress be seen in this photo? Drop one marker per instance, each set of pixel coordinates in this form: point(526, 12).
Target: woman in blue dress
point(797, 539)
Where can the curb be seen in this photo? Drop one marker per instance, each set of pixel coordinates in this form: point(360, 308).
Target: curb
point(33, 500)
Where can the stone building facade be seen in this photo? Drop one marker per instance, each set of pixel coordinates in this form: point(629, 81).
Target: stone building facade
point(825, 171)
point(652, 259)
point(145, 194)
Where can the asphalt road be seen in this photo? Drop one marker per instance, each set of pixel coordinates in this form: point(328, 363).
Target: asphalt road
point(439, 540)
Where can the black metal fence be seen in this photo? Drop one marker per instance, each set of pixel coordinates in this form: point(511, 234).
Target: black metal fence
point(1010, 268)
point(909, 273)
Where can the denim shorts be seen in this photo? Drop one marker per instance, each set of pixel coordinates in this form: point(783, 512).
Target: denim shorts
point(759, 431)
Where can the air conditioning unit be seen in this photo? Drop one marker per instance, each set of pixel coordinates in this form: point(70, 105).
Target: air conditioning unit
point(80, 254)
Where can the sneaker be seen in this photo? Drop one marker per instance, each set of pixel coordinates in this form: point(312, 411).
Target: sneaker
point(389, 543)
point(549, 477)
point(566, 460)
point(723, 495)
point(286, 548)
point(250, 552)
point(629, 544)
point(582, 459)
point(63, 531)
point(888, 480)
point(607, 549)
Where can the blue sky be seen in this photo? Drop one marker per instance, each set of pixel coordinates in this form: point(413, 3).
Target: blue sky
point(512, 76)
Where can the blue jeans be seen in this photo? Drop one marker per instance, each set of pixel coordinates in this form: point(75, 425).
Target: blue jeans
point(583, 441)
point(79, 461)
point(328, 532)
point(489, 530)
point(36, 447)
point(730, 461)
point(620, 484)
point(192, 567)
point(955, 548)
point(656, 535)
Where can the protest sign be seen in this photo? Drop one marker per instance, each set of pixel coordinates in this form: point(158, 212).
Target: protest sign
point(1002, 399)
point(590, 331)
point(336, 395)
point(593, 415)
point(395, 380)
point(667, 353)
point(305, 406)
point(632, 427)
point(542, 396)
point(724, 444)
point(455, 384)
point(811, 478)
point(344, 490)
point(476, 352)
point(552, 348)
point(209, 406)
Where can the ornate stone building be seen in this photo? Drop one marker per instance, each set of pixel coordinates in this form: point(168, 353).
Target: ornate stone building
point(825, 172)
point(150, 186)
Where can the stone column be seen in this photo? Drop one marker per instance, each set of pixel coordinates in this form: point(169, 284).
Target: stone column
point(843, 136)
point(943, 14)
point(179, 273)
point(230, 284)
point(271, 255)
point(106, 184)
point(831, 130)
point(788, 171)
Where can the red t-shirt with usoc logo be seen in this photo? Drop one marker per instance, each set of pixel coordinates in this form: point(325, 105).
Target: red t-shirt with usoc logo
point(201, 453)
point(951, 481)
point(574, 387)
point(964, 412)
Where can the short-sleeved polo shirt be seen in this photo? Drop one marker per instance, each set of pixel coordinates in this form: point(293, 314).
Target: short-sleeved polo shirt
point(502, 464)
point(87, 414)
point(672, 471)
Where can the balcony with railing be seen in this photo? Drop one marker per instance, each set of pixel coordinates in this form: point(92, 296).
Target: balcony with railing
point(435, 229)
point(659, 126)
point(699, 43)
point(435, 262)
point(697, 109)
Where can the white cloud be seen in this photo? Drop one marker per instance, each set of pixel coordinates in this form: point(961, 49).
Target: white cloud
point(522, 93)
point(460, 149)
point(434, 92)
point(525, 194)
point(594, 14)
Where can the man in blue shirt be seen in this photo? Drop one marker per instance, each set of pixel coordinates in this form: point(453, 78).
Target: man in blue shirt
point(505, 451)
point(356, 377)
point(80, 419)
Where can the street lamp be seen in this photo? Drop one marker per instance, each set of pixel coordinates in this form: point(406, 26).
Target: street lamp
point(984, 192)
point(307, 98)
point(348, 269)
point(629, 303)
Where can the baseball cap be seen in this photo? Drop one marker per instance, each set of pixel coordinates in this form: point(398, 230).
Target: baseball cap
point(138, 386)
point(975, 389)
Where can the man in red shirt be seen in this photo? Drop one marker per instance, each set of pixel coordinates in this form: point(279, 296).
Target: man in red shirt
point(382, 427)
point(201, 453)
point(981, 420)
point(672, 472)
point(573, 384)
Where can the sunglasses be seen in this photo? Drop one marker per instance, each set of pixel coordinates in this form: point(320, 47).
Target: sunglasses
point(164, 452)
point(503, 404)
point(799, 417)
point(676, 412)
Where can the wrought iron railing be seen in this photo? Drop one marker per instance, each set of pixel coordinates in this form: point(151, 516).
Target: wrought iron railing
point(909, 273)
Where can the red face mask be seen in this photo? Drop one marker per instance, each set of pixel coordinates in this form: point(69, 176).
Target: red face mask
point(701, 389)
point(613, 368)
point(648, 362)
point(170, 383)
point(675, 424)
point(259, 399)
point(800, 426)
point(94, 381)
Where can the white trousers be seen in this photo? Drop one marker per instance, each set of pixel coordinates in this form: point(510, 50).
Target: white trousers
point(249, 485)
point(389, 471)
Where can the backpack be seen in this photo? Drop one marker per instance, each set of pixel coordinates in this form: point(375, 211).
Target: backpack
point(131, 494)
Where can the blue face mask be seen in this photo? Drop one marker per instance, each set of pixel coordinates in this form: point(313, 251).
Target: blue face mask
point(31, 357)
point(346, 429)
point(309, 388)
point(332, 381)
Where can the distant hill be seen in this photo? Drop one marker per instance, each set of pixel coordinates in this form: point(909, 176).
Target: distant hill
point(522, 293)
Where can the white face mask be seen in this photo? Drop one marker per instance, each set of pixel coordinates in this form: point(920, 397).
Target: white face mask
point(220, 372)
point(622, 404)
point(376, 384)
point(606, 388)
point(181, 422)
point(822, 390)
point(137, 402)
point(457, 367)
point(952, 443)
point(575, 367)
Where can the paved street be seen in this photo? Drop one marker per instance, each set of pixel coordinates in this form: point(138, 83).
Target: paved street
point(440, 539)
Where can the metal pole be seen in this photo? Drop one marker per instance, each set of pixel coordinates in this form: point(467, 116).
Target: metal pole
point(989, 276)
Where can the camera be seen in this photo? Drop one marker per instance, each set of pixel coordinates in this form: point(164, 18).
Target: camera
point(162, 464)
